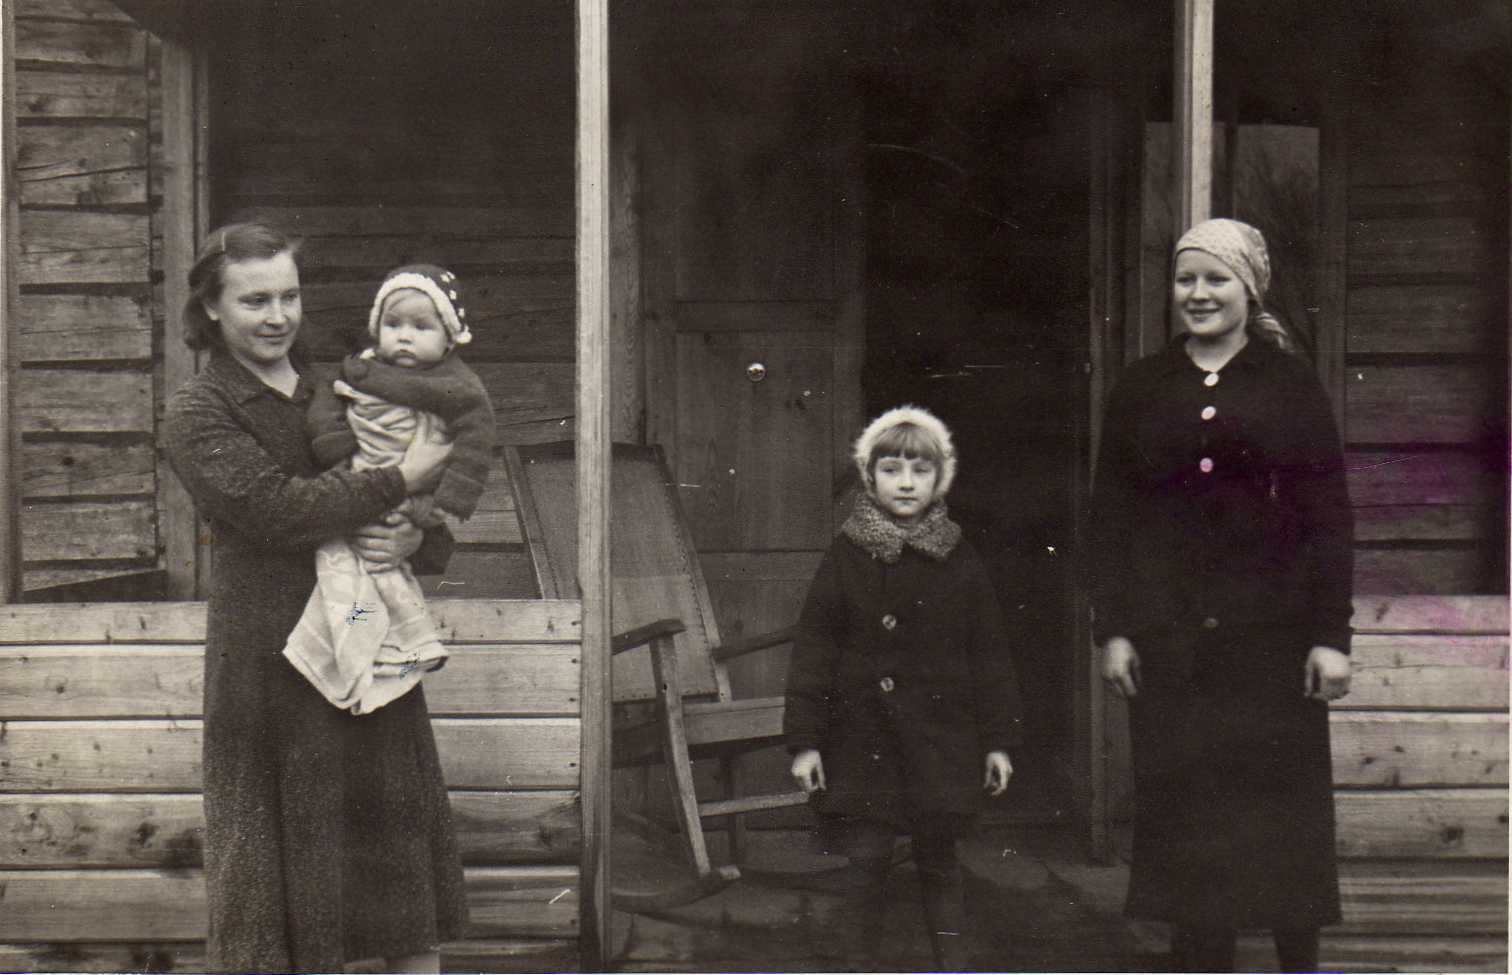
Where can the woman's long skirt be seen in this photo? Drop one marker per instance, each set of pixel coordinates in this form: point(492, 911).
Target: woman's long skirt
point(1234, 820)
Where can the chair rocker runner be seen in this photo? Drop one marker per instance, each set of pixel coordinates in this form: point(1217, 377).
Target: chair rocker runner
point(671, 660)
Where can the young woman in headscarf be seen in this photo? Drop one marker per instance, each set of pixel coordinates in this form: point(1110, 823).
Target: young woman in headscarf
point(1222, 571)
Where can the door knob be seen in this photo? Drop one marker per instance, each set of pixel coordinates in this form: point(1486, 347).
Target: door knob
point(755, 372)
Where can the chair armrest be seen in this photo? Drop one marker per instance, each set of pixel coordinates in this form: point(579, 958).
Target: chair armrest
point(642, 635)
point(741, 647)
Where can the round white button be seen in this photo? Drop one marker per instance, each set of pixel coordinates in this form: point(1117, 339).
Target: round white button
point(1211, 379)
point(1208, 412)
point(1205, 465)
point(889, 621)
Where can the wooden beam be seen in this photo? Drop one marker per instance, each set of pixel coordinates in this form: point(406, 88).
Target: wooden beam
point(10, 222)
point(180, 219)
point(1194, 112)
point(594, 365)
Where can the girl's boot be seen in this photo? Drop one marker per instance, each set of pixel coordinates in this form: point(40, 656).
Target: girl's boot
point(944, 899)
point(861, 914)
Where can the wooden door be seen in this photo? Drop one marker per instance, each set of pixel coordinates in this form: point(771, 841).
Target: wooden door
point(752, 296)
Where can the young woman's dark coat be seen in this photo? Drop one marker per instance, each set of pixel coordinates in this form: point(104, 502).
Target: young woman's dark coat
point(1222, 540)
point(902, 678)
point(328, 836)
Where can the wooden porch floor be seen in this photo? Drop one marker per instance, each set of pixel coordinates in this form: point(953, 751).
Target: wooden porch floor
point(1035, 903)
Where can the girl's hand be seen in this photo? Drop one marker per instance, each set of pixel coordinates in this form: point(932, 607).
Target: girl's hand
point(1120, 666)
point(808, 770)
point(422, 465)
point(1327, 674)
point(999, 771)
point(386, 543)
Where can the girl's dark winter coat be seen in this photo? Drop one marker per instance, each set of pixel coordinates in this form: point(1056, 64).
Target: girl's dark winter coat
point(901, 677)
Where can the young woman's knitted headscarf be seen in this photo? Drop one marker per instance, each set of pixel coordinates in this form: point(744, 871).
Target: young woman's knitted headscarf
point(1242, 248)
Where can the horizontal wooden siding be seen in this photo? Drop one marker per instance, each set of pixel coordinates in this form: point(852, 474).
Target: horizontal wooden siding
point(102, 821)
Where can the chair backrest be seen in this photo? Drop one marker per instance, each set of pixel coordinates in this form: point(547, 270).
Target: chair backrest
point(653, 564)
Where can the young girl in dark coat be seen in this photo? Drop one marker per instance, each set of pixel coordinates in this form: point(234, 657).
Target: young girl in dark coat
point(902, 702)
point(1222, 554)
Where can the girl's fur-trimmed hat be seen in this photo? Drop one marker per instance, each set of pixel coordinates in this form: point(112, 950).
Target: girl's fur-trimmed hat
point(926, 422)
point(436, 283)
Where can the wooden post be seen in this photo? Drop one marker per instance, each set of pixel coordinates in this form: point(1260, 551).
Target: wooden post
point(1104, 348)
point(183, 225)
point(10, 240)
point(1333, 219)
point(593, 455)
point(1194, 112)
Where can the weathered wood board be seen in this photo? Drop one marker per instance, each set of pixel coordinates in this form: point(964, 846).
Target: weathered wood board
point(166, 830)
point(1423, 671)
point(460, 621)
point(1396, 749)
point(147, 680)
point(158, 905)
point(478, 955)
point(164, 755)
point(1449, 824)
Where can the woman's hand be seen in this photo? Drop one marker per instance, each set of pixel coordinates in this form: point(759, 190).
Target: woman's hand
point(808, 770)
point(422, 465)
point(1120, 666)
point(999, 771)
point(388, 542)
point(1327, 677)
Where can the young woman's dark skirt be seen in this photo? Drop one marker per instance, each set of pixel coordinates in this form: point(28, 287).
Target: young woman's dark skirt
point(1234, 820)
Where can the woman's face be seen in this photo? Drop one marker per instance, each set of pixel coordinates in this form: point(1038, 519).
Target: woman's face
point(1210, 300)
point(258, 309)
point(905, 485)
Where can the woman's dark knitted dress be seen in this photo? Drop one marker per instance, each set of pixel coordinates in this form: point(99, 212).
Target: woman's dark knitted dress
point(328, 837)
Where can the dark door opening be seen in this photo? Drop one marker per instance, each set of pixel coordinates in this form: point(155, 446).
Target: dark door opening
point(976, 276)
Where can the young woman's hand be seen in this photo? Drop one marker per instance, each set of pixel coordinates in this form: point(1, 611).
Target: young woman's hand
point(422, 465)
point(999, 771)
point(1120, 666)
point(808, 770)
point(1327, 676)
point(386, 543)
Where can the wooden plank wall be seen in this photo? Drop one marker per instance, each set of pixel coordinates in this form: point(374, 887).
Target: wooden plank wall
point(470, 166)
point(85, 395)
point(100, 816)
point(1425, 392)
point(1420, 767)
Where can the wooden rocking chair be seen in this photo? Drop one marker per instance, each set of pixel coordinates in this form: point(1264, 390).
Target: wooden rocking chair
point(667, 652)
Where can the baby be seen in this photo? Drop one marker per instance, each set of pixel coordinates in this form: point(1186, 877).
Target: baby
point(365, 638)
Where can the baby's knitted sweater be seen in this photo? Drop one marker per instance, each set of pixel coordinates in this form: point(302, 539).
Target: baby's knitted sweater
point(449, 389)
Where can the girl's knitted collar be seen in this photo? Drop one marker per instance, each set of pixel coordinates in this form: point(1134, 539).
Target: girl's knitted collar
point(879, 534)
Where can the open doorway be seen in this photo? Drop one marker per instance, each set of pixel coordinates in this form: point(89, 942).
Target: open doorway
point(976, 278)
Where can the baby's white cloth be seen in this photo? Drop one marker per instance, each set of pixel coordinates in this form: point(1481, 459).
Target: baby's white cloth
point(365, 638)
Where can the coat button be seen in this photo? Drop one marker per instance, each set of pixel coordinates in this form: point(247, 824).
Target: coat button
point(889, 621)
point(886, 684)
point(1211, 379)
point(1205, 465)
point(1211, 623)
point(1208, 412)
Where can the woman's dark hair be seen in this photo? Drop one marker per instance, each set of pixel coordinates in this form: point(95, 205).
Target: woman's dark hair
point(223, 246)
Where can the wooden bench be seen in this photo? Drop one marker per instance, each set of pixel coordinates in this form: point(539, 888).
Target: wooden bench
point(100, 812)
